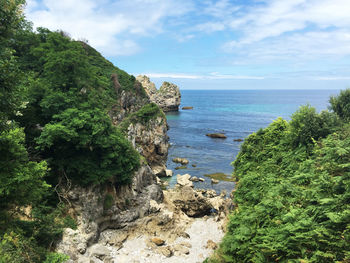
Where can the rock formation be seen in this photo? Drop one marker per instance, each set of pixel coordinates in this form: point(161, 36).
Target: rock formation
point(168, 97)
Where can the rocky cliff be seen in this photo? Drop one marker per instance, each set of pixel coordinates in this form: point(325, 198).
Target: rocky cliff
point(168, 97)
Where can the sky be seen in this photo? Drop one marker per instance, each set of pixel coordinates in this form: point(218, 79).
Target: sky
point(213, 44)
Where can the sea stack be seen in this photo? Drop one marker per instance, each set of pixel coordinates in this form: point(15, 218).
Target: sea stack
point(168, 97)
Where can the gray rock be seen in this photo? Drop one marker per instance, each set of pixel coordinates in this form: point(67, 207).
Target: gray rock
point(99, 251)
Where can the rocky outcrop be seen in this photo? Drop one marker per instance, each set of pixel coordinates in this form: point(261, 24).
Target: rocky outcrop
point(88, 206)
point(152, 142)
point(168, 97)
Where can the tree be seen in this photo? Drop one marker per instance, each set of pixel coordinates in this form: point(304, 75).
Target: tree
point(341, 104)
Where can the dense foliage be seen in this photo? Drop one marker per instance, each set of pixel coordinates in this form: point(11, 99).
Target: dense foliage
point(293, 191)
point(56, 95)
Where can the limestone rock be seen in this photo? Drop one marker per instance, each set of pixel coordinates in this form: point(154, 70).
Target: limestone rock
point(214, 181)
point(179, 249)
point(166, 251)
point(216, 135)
point(192, 203)
point(194, 179)
point(201, 179)
point(184, 180)
point(183, 161)
point(99, 251)
point(168, 172)
point(168, 97)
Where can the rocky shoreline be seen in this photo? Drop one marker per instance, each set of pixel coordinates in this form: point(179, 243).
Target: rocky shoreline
point(179, 224)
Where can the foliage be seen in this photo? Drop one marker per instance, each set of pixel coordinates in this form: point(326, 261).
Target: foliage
point(21, 180)
point(341, 104)
point(87, 147)
point(108, 201)
point(292, 193)
point(144, 115)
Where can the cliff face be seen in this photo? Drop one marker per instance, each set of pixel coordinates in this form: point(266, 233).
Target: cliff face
point(152, 142)
point(108, 206)
point(168, 97)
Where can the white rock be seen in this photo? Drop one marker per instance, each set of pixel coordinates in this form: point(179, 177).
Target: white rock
point(184, 180)
point(168, 172)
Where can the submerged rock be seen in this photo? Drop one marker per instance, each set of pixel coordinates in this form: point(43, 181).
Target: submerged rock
point(181, 167)
point(238, 140)
point(187, 108)
point(216, 135)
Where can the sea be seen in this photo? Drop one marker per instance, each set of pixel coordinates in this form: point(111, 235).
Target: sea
point(236, 113)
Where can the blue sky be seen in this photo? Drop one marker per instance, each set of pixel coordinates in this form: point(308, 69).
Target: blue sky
point(208, 44)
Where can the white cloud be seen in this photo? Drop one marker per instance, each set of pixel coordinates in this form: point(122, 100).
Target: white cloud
point(111, 27)
point(213, 75)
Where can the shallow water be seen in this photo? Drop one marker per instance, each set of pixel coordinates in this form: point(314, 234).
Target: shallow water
point(236, 113)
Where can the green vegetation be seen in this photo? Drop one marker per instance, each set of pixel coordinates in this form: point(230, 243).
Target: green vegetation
point(56, 97)
point(293, 191)
point(144, 115)
point(221, 177)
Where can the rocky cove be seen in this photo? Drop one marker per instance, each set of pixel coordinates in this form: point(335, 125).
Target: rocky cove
point(140, 222)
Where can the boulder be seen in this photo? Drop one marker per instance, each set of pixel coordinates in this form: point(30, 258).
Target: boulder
point(158, 241)
point(190, 202)
point(183, 161)
point(216, 135)
point(214, 181)
point(194, 179)
point(179, 249)
point(99, 251)
point(238, 140)
point(168, 172)
point(201, 179)
point(184, 180)
point(165, 251)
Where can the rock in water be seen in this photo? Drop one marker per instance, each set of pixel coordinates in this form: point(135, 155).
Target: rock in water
point(214, 181)
point(184, 180)
point(187, 108)
point(216, 135)
point(183, 161)
point(168, 97)
point(168, 173)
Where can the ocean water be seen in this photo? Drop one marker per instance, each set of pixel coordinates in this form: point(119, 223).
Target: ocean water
point(236, 113)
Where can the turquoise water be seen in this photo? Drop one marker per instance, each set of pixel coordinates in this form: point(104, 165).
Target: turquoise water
point(235, 113)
